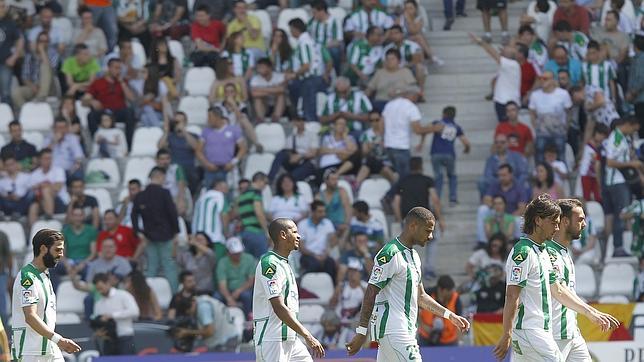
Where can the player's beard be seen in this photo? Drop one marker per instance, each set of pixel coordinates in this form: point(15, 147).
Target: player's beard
point(574, 235)
point(49, 260)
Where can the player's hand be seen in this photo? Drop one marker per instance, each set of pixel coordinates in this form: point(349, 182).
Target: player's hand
point(68, 345)
point(315, 346)
point(614, 322)
point(356, 344)
point(502, 347)
point(461, 323)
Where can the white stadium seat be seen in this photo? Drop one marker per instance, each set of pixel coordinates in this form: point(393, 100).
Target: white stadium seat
point(265, 21)
point(345, 185)
point(305, 191)
point(6, 116)
point(617, 279)
point(107, 165)
point(627, 239)
point(138, 168)
point(162, 289)
point(613, 299)
point(16, 235)
point(372, 191)
point(72, 302)
point(64, 27)
point(313, 127)
point(338, 13)
point(44, 224)
point(176, 49)
point(586, 283)
point(35, 138)
point(380, 216)
point(199, 80)
point(137, 50)
point(144, 141)
point(596, 213)
point(319, 283)
point(71, 10)
point(271, 136)
point(193, 128)
point(267, 195)
point(36, 116)
point(310, 313)
point(258, 162)
point(195, 108)
point(102, 197)
point(67, 318)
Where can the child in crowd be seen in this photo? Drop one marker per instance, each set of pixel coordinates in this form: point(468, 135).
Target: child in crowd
point(109, 141)
point(559, 167)
point(590, 165)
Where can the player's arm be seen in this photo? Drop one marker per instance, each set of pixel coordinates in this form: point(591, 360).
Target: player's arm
point(512, 293)
point(564, 296)
point(34, 322)
point(425, 301)
point(285, 315)
point(368, 303)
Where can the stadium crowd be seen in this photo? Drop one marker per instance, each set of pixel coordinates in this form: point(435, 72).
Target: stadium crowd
point(117, 79)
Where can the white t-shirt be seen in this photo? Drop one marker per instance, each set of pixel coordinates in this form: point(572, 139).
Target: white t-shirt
point(587, 163)
point(55, 175)
point(399, 115)
point(508, 82)
point(551, 109)
point(118, 149)
point(294, 207)
point(316, 237)
point(350, 298)
point(561, 167)
point(480, 259)
point(257, 81)
point(617, 149)
point(18, 186)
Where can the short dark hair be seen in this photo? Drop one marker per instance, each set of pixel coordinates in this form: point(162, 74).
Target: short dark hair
point(113, 60)
point(562, 25)
point(601, 128)
point(265, 61)
point(563, 71)
point(298, 24)
point(393, 51)
point(511, 103)
point(80, 47)
point(134, 181)
point(500, 197)
point(627, 120)
point(46, 237)
point(615, 13)
point(110, 211)
point(276, 227)
point(101, 277)
point(419, 214)
point(593, 44)
point(551, 148)
point(279, 191)
point(204, 8)
point(14, 124)
point(445, 282)
point(44, 151)
point(526, 29)
point(416, 163)
point(183, 275)
point(372, 29)
point(359, 233)
point(83, 9)
point(259, 176)
point(320, 5)
point(396, 27)
point(506, 166)
point(638, 42)
point(542, 206)
point(162, 152)
point(361, 207)
point(561, 47)
point(157, 170)
point(566, 206)
point(523, 50)
point(317, 203)
point(449, 111)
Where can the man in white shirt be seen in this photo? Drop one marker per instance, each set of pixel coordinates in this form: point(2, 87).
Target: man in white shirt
point(268, 89)
point(48, 185)
point(120, 306)
point(318, 236)
point(301, 149)
point(15, 195)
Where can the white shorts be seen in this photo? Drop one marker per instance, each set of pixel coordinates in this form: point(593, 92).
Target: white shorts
point(398, 348)
point(574, 350)
point(534, 345)
point(58, 358)
point(283, 351)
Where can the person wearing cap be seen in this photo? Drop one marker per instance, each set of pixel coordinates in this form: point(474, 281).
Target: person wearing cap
point(216, 150)
point(236, 276)
point(351, 292)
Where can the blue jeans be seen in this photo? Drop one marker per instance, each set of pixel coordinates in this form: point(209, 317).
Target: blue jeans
point(620, 197)
point(105, 18)
point(336, 56)
point(6, 74)
point(159, 256)
point(245, 298)
point(211, 176)
point(256, 243)
point(307, 89)
point(448, 7)
point(448, 162)
point(151, 118)
point(299, 171)
point(4, 298)
point(542, 141)
point(400, 160)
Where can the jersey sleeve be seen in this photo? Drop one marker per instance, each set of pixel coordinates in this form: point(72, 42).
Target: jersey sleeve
point(27, 290)
point(518, 266)
point(272, 278)
point(384, 268)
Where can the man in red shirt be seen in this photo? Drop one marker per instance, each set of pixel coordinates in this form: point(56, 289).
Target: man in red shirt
point(577, 16)
point(127, 244)
point(111, 93)
point(528, 72)
point(519, 135)
point(207, 35)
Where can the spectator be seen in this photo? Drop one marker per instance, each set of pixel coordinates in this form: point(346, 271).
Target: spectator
point(616, 193)
point(221, 147)
point(544, 182)
point(352, 292)
point(235, 276)
point(15, 194)
point(411, 54)
point(104, 13)
point(490, 298)
point(611, 39)
point(575, 42)
point(326, 30)
point(66, 149)
point(356, 258)
point(11, 49)
point(487, 8)
point(156, 93)
point(529, 73)
point(338, 151)
point(250, 26)
point(415, 27)
point(182, 145)
point(167, 66)
point(500, 156)
point(280, 51)
point(387, 80)
point(549, 113)
point(90, 35)
point(599, 72)
point(48, 184)
point(133, 20)
point(499, 221)
point(236, 111)
point(634, 214)
point(305, 79)
point(297, 159)
point(368, 14)
point(175, 181)
point(242, 59)
point(146, 299)
point(121, 307)
point(55, 37)
point(364, 223)
point(537, 48)
point(80, 239)
point(200, 260)
point(170, 18)
point(598, 108)
point(250, 208)
point(125, 208)
point(519, 135)
point(108, 262)
point(585, 248)
point(635, 92)
point(507, 85)
point(416, 189)
point(80, 70)
point(23, 151)
point(318, 238)
point(109, 141)
point(68, 112)
point(436, 331)
point(268, 89)
point(226, 78)
point(363, 56)
point(133, 65)
point(539, 16)
point(37, 78)
point(184, 297)
point(590, 165)
point(374, 156)
point(352, 105)
point(111, 92)
point(160, 226)
point(337, 203)
point(88, 203)
point(287, 201)
point(127, 244)
point(208, 37)
point(211, 216)
point(331, 335)
point(559, 168)
point(560, 61)
point(577, 16)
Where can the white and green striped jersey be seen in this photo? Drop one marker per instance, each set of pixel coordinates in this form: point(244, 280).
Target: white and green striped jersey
point(306, 52)
point(273, 278)
point(617, 149)
point(407, 50)
point(364, 56)
point(564, 320)
point(207, 215)
point(599, 75)
point(241, 61)
point(577, 47)
point(538, 54)
point(359, 20)
point(32, 287)
point(355, 102)
point(324, 32)
point(396, 272)
point(529, 267)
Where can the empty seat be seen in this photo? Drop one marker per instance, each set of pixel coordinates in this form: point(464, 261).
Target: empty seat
point(145, 140)
point(109, 167)
point(319, 283)
point(199, 80)
point(138, 168)
point(195, 108)
point(257, 162)
point(36, 116)
point(16, 235)
point(44, 224)
point(6, 116)
point(310, 313)
point(305, 191)
point(35, 138)
point(162, 289)
point(67, 318)
point(372, 191)
point(271, 136)
point(613, 299)
point(380, 216)
point(265, 21)
point(70, 299)
point(176, 49)
point(102, 197)
point(586, 283)
point(617, 279)
point(596, 213)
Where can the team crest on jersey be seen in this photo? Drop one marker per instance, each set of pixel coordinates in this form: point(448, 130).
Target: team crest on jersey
point(28, 297)
point(518, 258)
point(376, 273)
point(27, 283)
point(515, 276)
point(382, 259)
point(272, 287)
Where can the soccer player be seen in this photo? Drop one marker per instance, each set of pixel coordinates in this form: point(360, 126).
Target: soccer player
point(276, 302)
point(396, 290)
point(564, 321)
point(531, 285)
point(34, 305)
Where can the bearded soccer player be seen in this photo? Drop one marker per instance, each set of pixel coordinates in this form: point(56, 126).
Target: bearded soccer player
point(531, 286)
point(564, 320)
point(396, 291)
point(34, 305)
point(276, 302)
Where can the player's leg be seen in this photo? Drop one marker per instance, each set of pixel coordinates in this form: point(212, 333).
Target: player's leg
point(398, 348)
point(578, 350)
point(534, 346)
point(271, 352)
point(298, 352)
